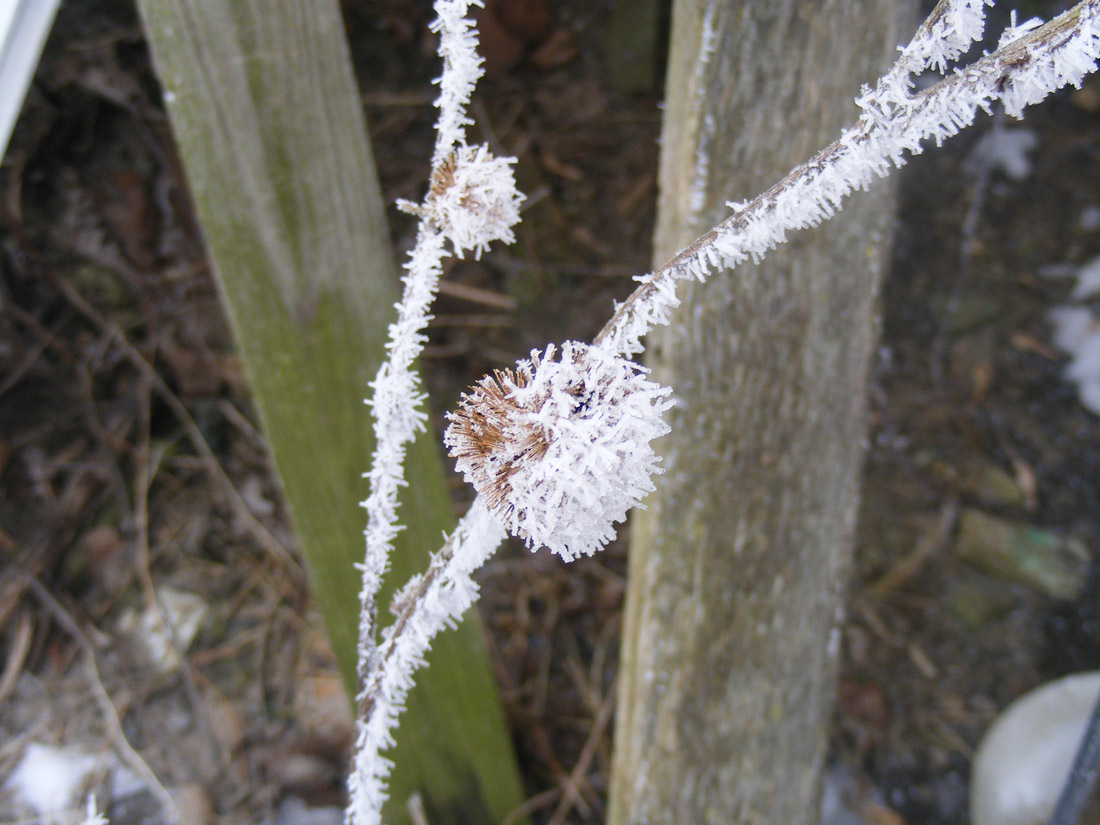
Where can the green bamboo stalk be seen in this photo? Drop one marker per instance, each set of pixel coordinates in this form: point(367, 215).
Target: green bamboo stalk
point(268, 123)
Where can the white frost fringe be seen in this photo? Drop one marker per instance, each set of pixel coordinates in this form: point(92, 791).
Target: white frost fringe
point(428, 604)
point(486, 185)
point(1033, 63)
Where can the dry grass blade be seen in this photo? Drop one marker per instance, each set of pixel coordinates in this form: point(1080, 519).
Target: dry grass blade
point(571, 792)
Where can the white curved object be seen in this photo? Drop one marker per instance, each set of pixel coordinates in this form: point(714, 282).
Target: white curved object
point(24, 25)
point(1024, 758)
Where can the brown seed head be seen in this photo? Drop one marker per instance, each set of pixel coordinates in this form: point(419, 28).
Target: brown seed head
point(559, 448)
point(487, 433)
point(443, 177)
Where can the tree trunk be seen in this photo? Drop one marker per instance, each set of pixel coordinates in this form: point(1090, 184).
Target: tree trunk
point(738, 567)
point(269, 125)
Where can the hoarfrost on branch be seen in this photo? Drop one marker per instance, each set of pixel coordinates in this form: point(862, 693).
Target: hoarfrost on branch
point(517, 431)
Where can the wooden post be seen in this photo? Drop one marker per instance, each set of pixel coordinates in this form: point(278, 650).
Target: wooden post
point(633, 45)
point(738, 567)
point(268, 122)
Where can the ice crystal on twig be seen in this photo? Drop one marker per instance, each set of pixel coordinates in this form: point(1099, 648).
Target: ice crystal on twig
point(92, 816)
point(430, 603)
point(1014, 32)
point(461, 72)
point(560, 448)
point(895, 123)
point(951, 28)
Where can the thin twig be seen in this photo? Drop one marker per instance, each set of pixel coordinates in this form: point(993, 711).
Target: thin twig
point(17, 655)
point(930, 543)
point(969, 230)
point(133, 759)
point(529, 806)
point(571, 793)
point(978, 84)
point(145, 464)
point(210, 461)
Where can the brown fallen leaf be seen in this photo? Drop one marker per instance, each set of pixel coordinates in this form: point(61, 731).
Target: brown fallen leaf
point(557, 50)
point(107, 557)
point(875, 814)
point(199, 372)
point(130, 216)
point(500, 49)
point(863, 702)
point(1026, 342)
point(527, 20)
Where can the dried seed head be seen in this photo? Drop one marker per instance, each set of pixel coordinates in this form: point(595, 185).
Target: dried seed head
point(443, 176)
point(473, 199)
point(560, 449)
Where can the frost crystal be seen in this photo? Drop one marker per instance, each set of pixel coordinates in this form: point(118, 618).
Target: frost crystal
point(435, 601)
point(461, 71)
point(895, 123)
point(560, 448)
point(473, 199)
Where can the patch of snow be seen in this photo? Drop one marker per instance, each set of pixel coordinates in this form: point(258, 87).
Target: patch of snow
point(184, 612)
point(124, 782)
point(252, 493)
point(1085, 365)
point(48, 779)
point(1072, 326)
point(293, 811)
point(1076, 331)
point(1005, 150)
point(1088, 281)
point(1089, 219)
point(1089, 392)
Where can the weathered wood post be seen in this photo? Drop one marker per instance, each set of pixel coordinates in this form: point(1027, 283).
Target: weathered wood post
point(738, 567)
point(268, 122)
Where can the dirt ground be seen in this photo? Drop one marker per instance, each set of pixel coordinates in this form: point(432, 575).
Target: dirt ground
point(131, 462)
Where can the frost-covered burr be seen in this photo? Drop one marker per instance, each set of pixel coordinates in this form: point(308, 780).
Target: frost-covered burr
point(473, 200)
point(560, 447)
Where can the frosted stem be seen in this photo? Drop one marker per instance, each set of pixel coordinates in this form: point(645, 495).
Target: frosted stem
point(472, 202)
point(426, 605)
point(461, 72)
point(397, 420)
point(894, 122)
point(397, 397)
